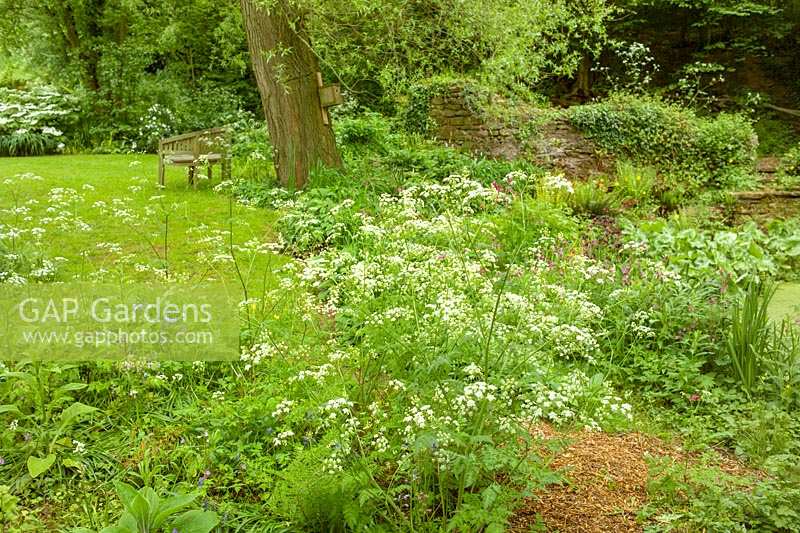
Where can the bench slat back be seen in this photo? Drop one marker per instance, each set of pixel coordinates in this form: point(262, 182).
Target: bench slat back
point(197, 143)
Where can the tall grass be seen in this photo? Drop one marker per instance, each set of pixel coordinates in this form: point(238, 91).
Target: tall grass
point(750, 334)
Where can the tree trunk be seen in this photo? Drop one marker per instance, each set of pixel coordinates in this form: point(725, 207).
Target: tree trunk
point(584, 85)
point(285, 68)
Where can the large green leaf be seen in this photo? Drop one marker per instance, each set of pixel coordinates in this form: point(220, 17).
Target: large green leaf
point(127, 524)
point(172, 505)
point(153, 503)
point(196, 522)
point(63, 389)
point(126, 494)
point(141, 510)
point(71, 413)
point(40, 465)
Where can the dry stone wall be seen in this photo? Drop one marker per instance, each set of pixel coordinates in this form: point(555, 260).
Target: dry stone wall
point(556, 143)
point(458, 125)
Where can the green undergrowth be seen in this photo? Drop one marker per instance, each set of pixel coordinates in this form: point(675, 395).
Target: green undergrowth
point(699, 151)
point(423, 309)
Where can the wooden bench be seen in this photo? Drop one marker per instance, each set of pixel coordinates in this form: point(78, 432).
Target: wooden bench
point(193, 149)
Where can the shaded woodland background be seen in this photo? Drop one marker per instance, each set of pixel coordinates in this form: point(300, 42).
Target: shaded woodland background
point(139, 69)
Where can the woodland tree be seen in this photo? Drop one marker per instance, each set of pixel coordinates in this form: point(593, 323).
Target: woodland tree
point(285, 68)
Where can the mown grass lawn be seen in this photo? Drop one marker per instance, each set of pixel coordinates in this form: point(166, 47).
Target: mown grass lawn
point(786, 302)
point(169, 229)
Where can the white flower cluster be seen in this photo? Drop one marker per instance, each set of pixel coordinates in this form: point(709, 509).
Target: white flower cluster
point(641, 324)
point(473, 371)
point(316, 374)
point(457, 194)
point(417, 286)
point(252, 356)
point(417, 418)
point(589, 401)
point(474, 394)
point(34, 111)
point(282, 438)
point(570, 340)
point(283, 408)
point(557, 183)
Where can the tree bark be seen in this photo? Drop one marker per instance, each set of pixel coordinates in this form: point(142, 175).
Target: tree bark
point(285, 68)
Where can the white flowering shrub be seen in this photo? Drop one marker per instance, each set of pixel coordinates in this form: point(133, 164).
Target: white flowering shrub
point(33, 122)
point(157, 122)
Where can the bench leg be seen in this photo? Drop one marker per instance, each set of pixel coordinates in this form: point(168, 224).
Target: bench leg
point(191, 176)
point(210, 166)
point(161, 171)
point(226, 168)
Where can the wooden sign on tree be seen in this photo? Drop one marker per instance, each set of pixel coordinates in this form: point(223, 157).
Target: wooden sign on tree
point(329, 96)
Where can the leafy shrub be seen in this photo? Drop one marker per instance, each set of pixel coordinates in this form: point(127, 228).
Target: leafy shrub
point(668, 198)
point(783, 243)
point(34, 122)
point(368, 129)
point(699, 498)
point(701, 151)
point(158, 107)
point(529, 221)
point(251, 152)
point(383, 157)
point(438, 339)
point(720, 257)
point(156, 123)
point(660, 329)
point(319, 217)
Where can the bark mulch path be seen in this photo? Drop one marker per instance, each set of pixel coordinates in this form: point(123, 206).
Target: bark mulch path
point(606, 482)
